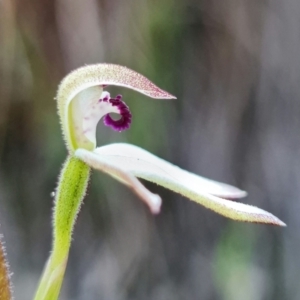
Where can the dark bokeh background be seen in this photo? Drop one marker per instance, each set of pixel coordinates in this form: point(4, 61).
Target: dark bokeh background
point(235, 67)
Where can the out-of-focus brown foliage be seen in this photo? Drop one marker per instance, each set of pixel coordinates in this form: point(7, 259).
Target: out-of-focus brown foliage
point(5, 289)
point(234, 67)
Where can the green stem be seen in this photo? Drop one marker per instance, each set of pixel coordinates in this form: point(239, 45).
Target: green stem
point(69, 195)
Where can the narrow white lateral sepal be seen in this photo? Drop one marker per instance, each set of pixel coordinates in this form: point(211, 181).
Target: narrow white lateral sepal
point(130, 159)
point(96, 162)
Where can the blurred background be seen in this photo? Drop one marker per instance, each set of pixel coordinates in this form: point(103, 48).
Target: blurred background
point(235, 67)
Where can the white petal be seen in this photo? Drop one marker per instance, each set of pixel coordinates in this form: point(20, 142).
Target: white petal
point(140, 163)
point(143, 164)
point(80, 104)
point(97, 162)
point(86, 111)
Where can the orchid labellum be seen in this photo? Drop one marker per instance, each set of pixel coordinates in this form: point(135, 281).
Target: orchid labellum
point(82, 102)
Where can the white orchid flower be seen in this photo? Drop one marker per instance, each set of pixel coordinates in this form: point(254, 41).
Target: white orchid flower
point(82, 103)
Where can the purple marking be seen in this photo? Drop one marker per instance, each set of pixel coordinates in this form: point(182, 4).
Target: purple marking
point(124, 122)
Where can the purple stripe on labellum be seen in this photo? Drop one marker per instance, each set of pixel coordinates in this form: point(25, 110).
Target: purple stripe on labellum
point(124, 122)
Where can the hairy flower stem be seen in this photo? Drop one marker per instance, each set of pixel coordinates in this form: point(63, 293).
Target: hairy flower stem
point(69, 195)
point(5, 286)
